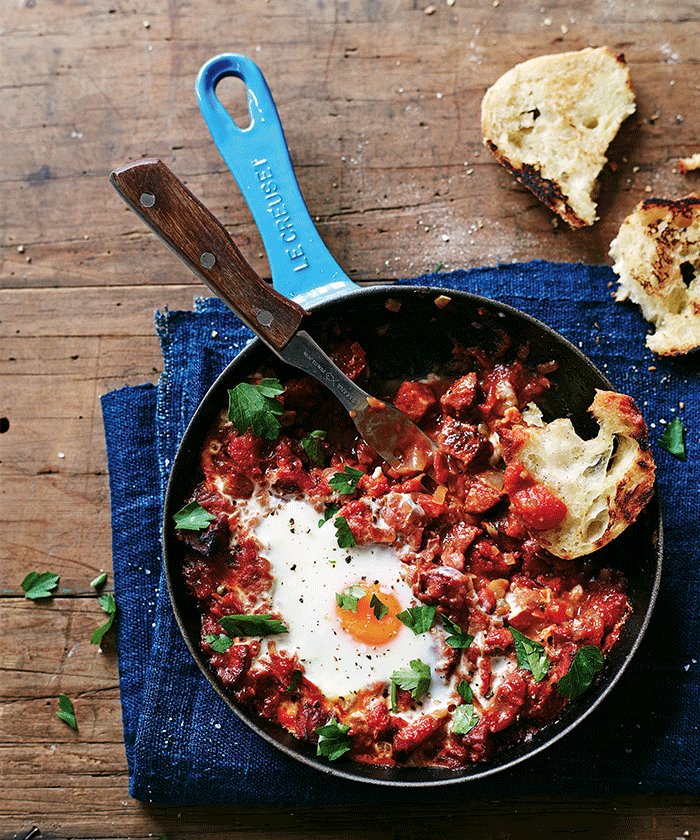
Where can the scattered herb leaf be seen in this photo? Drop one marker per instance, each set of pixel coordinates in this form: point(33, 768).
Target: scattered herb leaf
point(531, 655)
point(458, 639)
point(311, 444)
point(343, 533)
point(345, 482)
point(329, 513)
point(587, 662)
point(672, 439)
point(349, 598)
point(379, 608)
point(464, 719)
point(66, 712)
point(465, 691)
point(296, 679)
point(220, 643)
point(415, 678)
point(252, 625)
point(193, 517)
point(38, 585)
point(99, 581)
point(439, 266)
point(109, 605)
point(333, 739)
point(255, 407)
point(419, 619)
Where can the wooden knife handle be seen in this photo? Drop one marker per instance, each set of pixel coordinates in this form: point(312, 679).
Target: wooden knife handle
point(198, 238)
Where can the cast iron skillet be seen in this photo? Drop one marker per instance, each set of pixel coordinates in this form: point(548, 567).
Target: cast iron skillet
point(402, 341)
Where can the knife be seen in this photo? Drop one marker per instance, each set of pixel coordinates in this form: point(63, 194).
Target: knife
point(201, 241)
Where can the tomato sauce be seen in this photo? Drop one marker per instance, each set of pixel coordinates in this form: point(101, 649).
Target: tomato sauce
point(465, 533)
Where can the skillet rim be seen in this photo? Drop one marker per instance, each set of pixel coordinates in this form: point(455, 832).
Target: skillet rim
point(407, 777)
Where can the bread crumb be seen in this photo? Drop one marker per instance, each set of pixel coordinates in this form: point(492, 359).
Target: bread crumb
point(689, 164)
point(429, 10)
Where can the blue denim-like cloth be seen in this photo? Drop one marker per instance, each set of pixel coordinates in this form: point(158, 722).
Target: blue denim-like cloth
point(183, 745)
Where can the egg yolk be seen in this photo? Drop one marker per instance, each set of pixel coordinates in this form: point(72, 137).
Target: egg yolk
point(363, 625)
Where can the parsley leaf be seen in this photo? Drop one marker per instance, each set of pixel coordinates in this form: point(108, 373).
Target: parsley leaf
point(66, 712)
point(672, 439)
point(587, 662)
point(37, 585)
point(458, 639)
point(255, 407)
point(333, 739)
point(252, 625)
point(349, 598)
point(296, 679)
point(464, 719)
point(329, 513)
point(345, 482)
point(530, 655)
point(379, 608)
point(465, 691)
point(109, 605)
point(193, 517)
point(99, 581)
point(343, 533)
point(419, 619)
point(220, 643)
point(415, 678)
point(311, 444)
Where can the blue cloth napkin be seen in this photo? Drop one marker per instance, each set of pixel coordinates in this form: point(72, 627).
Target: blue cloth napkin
point(183, 745)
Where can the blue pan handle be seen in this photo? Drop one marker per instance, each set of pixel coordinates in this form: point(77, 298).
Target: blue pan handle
point(301, 265)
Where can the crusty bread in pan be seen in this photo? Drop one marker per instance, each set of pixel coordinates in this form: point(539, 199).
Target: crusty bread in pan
point(550, 121)
point(657, 260)
point(604, 482)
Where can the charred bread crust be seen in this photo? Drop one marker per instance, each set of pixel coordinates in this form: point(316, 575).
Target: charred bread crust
point(604, 482)
point(549, 122)
point(545, 189)
point(656, 256)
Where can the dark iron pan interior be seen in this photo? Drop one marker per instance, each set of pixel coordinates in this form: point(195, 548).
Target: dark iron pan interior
point(411, 342)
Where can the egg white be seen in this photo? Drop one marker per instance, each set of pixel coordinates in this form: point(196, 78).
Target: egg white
point(308, 569)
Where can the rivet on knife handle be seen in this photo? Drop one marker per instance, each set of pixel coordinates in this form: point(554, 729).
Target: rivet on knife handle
point(202, 242)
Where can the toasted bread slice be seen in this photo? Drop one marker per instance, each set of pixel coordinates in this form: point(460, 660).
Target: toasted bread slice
point(604, 482)
point(550, 121)
point(657, 260)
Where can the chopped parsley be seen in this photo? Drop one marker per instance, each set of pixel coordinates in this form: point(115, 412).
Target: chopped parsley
point(109, 605)
point(39, 585)
point(296, 679)
point(329, 513)
point(311, 444)
point(531, 655)
point(587, 662)
point(419, 619)
point(343, 533)
point(457, 639)
point(333, 739)
point(379, 608)
point(66, 712)
point(349, 598)
point(257, 408)
point(99, 581)
point(345, 482)
point(252, 625)
point(465, 717)
point(219, 643)
point(193, 517)
point(465, 691)
point(672, 439)
point(415, 678)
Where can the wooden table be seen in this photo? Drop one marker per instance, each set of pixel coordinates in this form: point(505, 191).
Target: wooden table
point(380, 103)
